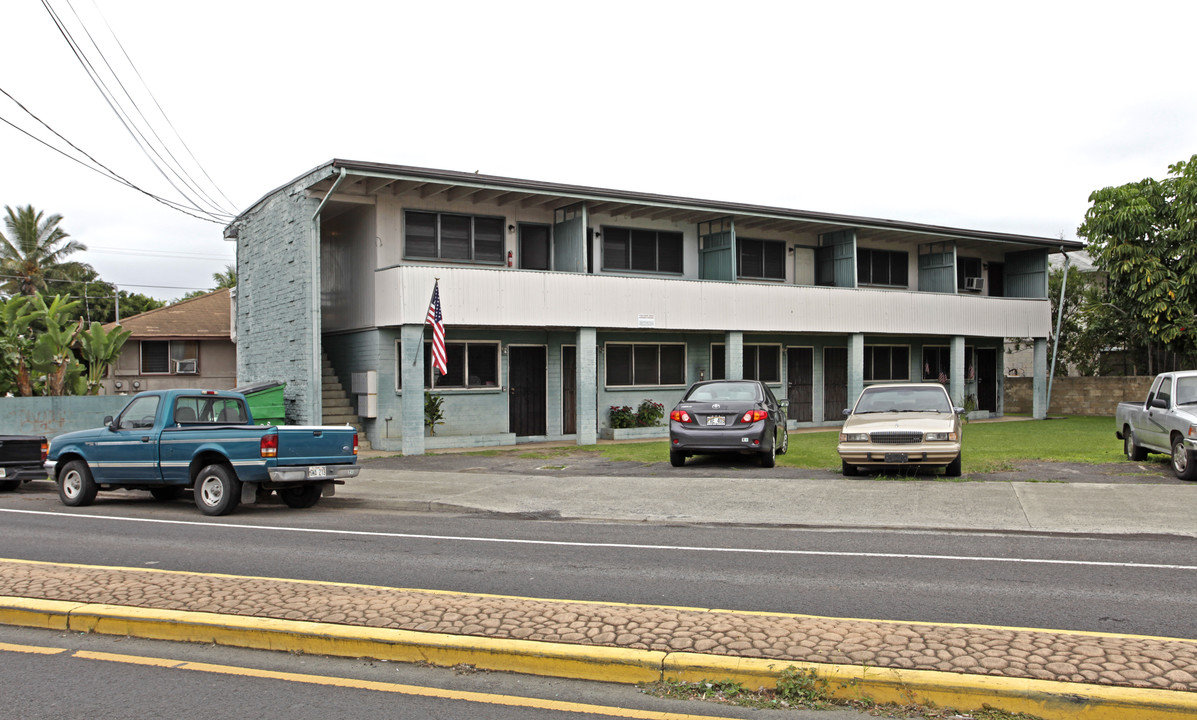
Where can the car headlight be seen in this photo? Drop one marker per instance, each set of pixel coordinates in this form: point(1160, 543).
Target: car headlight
point(854, 437)
point(940, 437)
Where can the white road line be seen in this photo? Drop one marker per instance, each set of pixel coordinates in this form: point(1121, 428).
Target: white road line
point(618, 546)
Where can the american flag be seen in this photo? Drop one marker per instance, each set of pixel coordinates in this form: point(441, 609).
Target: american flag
point(438, 330)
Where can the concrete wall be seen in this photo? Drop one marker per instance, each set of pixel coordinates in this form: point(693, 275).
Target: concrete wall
point(52, 416)
point(1079, 395)
point(277, 305)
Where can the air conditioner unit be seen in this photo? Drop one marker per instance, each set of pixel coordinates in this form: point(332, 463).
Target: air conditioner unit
point(974, 283)
point(185, 367)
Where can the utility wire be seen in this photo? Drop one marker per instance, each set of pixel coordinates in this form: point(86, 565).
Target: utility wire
point(179, 137)
point(100, 168)
point(109, 98)
point(177, 170)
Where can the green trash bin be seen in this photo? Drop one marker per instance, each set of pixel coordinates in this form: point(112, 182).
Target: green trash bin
point(265, 402)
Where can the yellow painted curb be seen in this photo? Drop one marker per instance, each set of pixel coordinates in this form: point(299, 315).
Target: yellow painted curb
point(1048, 699)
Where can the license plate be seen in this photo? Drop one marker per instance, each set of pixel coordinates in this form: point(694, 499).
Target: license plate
point(2, 472)
point(716, 420)
point(895, 457)
point(317, 471)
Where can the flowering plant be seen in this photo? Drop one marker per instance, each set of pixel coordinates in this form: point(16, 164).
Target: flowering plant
point(622, 416)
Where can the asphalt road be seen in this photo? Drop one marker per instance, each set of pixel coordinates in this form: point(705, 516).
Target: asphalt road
point(1138, 584)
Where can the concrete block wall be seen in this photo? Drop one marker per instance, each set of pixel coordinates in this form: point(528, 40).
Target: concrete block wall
point(275, 307)
point(52, 416)
point(1072, 395)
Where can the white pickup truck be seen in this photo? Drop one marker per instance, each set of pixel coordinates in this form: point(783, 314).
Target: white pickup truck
point(1165, 422)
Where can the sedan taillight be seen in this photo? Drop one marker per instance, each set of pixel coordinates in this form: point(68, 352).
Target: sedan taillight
point(754, 415)
point(681, 416)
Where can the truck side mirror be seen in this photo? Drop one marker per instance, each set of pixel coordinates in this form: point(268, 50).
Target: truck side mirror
point(1159, 402)
point(108, 422)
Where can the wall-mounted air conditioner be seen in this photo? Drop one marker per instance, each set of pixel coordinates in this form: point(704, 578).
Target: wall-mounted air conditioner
point(185, 367)
point(974, 283)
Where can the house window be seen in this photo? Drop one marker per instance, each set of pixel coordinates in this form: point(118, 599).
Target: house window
point(163, 357)
point(881, 267)
point(646, 250)
point(645, 364)
point(446, 236)
point(886, 362)
point(966, 268)
point(470, 365)
point(761, 362)
point(937, 363)
point(760, 259)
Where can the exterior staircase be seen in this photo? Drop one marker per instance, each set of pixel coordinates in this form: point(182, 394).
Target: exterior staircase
point(338, 405)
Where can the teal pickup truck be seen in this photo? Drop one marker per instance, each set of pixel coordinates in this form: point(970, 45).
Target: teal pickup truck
point(166, 441)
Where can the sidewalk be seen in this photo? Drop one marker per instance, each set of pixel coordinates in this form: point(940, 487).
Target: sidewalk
point(1048, 673)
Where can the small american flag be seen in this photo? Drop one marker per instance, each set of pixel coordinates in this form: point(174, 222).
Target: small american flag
point(438, 330)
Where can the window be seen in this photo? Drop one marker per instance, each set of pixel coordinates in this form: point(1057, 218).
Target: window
point(140, 413)
point(937, 363)
point(761, 362)
point(765, 259)
point(967, 267)
point(444, 236)
point(163, 357)
point(646, 250)
point(209, 410)
point(470, 365)
point(886, 362)
point(881, 267)
point(645, 364)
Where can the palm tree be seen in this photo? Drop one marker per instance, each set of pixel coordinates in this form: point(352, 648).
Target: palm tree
point(226, 279)
point(33, 250)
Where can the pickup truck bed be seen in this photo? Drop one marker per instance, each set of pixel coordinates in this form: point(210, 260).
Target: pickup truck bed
point(22, 458)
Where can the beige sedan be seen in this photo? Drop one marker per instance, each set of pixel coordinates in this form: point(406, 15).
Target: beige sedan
point(900, 426)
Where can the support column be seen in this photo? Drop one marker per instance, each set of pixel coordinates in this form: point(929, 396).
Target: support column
point(856, 344)
point(587, 395)
point(733, 355)
point(411, 370)
point(956, 383)
point(1039, 384)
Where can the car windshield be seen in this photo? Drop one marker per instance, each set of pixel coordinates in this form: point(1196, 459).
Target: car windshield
point(723, 391)
point(905, 399)
point(1186, 391)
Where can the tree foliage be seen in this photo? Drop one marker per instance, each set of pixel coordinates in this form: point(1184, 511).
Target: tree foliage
point(1142, 235)
point(33, 250)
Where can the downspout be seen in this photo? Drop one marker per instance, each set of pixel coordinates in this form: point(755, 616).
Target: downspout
point(1059, 319)
point(316, 403)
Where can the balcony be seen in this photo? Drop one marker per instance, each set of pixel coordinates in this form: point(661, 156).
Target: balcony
point(486, 297)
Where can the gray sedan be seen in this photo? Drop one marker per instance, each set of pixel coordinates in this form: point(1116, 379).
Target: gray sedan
point(728, 416)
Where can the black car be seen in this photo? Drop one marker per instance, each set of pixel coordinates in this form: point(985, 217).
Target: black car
point(22, 459)
point(728, 416)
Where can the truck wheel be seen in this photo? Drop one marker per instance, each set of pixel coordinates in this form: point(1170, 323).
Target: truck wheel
point(167, 493)
point(217, 490)
point(1134, 451)
point(303, 496)
point(1183, 462)
point(7, 485)
point(75, 485)
point(952, 469)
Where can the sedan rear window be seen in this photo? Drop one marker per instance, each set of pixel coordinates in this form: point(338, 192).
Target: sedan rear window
point(715, 392)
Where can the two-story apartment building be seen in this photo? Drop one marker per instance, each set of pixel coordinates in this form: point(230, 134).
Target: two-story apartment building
point(561, 301)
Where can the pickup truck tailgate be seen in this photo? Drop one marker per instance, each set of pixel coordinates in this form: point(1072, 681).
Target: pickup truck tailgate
point(303, 445)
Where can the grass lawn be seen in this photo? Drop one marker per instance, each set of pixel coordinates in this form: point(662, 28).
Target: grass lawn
point(988, 446)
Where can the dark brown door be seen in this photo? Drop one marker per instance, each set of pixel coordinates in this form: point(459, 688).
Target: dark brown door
point(835, 382)
point(800, 379)
point(526, 390)
point(569, 389)
point(987, 379)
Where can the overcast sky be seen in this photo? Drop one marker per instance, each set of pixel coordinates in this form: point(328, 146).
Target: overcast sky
point(988, 116)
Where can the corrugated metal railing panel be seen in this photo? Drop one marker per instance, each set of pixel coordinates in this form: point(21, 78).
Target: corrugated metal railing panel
point(518, 298)
point(1026, 274)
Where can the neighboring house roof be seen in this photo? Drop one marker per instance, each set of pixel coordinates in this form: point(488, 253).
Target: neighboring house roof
point(199, 318)
point(368, 178)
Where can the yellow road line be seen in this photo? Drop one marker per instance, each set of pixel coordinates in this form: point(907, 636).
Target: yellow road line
point(376, 686)
point(30, 649)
